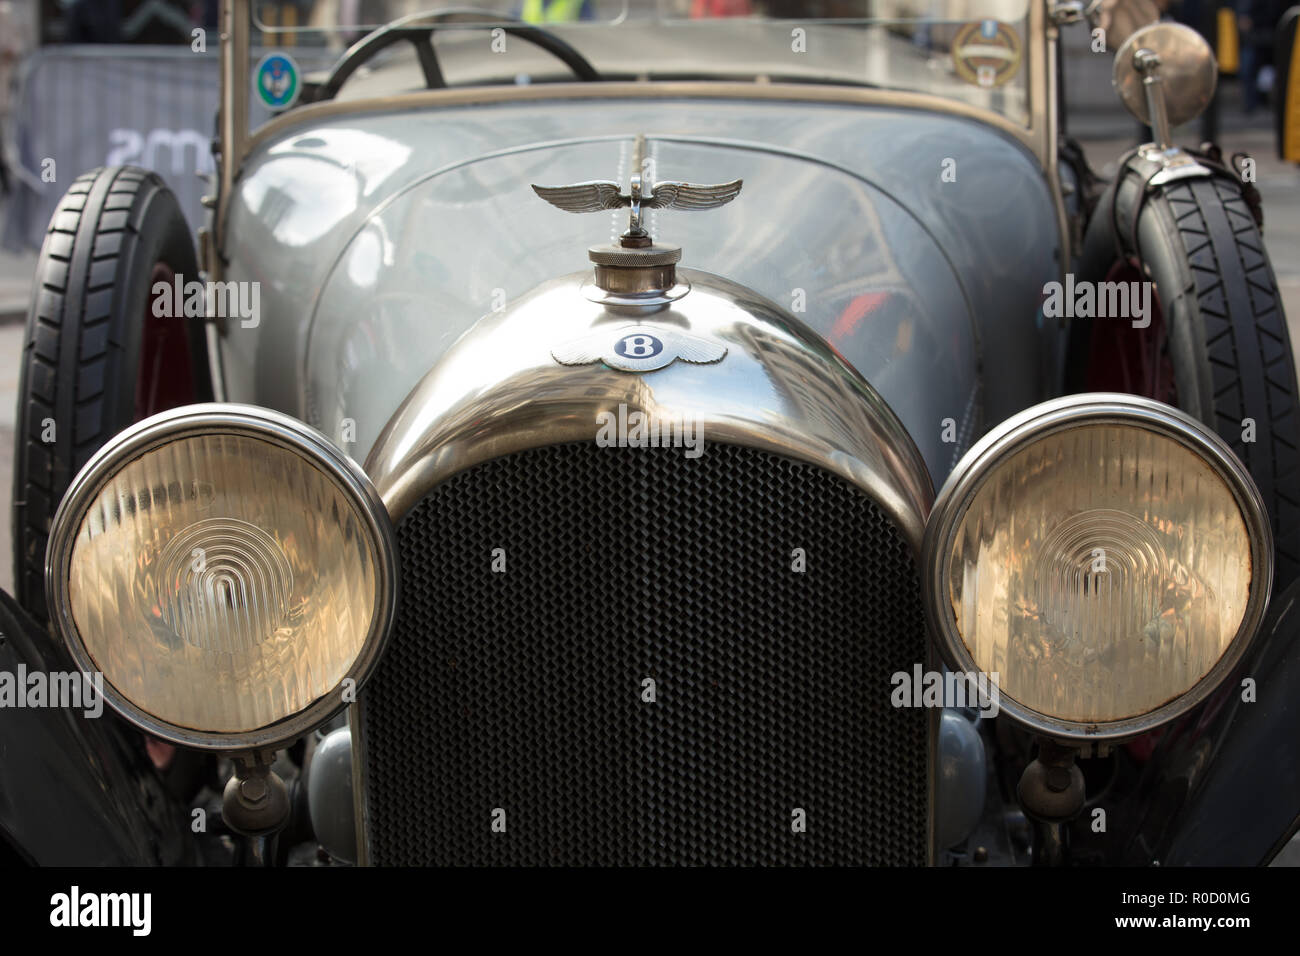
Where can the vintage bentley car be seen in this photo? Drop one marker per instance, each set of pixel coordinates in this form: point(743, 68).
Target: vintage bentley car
point(641, 438)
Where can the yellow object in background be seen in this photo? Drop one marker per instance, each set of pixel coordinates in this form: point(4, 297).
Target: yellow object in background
point(1228, 45)
point(551, 11)
point(1290, 145)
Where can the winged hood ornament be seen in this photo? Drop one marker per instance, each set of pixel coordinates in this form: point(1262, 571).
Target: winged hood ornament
point(638, 272)
point(601, 194)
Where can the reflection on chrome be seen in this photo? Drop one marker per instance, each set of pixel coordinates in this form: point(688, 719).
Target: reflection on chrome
point(1102, 570)
point(278, 599)
point(775, 385)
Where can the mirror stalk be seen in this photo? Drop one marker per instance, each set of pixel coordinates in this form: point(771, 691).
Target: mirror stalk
point(1147, 63)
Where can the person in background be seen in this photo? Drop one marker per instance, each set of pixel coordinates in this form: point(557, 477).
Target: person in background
point(13, 39)
point(1201, 16)
point(721, 8)
point(129, 21)
point(206, 13)
point(556, 11)
point(1256, 22)
point(1248, 69)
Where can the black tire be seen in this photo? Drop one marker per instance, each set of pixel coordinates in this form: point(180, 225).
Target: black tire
point(81, 351)
point(1227, 332)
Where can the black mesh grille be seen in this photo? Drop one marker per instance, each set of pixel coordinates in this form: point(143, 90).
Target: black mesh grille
point(522, 690)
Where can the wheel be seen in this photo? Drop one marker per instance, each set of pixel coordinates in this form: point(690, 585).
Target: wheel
point(95, 358)
point(1217, 346)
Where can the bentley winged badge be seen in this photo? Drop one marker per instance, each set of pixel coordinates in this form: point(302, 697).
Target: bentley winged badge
point(601, 194)
point(637, 271)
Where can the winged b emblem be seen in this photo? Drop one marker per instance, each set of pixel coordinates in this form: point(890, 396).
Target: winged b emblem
point(639, 348)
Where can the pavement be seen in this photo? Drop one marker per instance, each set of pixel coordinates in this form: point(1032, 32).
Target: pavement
point(11, 345)
point(16, 271)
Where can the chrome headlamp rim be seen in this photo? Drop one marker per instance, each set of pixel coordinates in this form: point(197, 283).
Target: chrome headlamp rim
point(263, 424)
point(1043, 420)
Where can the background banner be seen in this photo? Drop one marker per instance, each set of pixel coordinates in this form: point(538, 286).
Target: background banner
point(87, 106)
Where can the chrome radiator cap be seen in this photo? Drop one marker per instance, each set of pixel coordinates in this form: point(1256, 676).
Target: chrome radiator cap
point(640, 334)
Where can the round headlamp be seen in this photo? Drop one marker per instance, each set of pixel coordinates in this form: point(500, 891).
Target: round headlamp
point(228, 570)
point(1104, 559)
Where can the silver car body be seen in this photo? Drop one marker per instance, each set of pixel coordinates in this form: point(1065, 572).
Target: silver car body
point(915, 243)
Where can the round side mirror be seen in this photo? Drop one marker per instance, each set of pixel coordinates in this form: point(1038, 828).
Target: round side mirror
point(1186, 69)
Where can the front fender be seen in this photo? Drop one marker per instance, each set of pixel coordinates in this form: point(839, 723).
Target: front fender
point(77, 790)
point(1223, 785)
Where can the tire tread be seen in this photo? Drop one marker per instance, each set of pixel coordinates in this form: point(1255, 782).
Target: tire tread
point(73, 362)
point(1248, 347)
